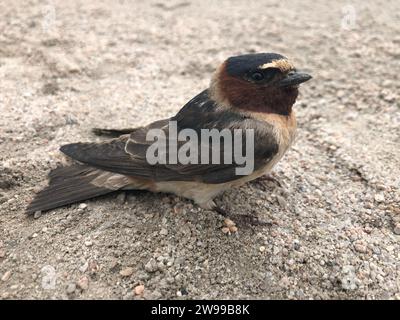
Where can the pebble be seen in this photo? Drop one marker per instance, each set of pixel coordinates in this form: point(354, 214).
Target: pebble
point(126, 272)
point(349, 279)
point(379, 197)
point(6, 276)
point(84, 267)
point(2, 253)
point(348, 283)
point(138, 290)
point(233, 229)
point(230, 226)
point(151, 266)
point(6, 295)
point(114, 265)
point(93, 267)
point(229, 223)
point(83, 283)
point(71, 287)
point(163, 232)
point(396, 229)
point(88, 243)
point(225, 229)
point(83, 206)
point(285, 282)
point(360, 247)
point(262, 249)
point(37, 214)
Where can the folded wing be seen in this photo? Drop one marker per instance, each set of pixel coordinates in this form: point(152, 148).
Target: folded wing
point(127, 154)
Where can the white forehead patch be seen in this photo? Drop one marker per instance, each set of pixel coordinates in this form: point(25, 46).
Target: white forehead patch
point(283, 64)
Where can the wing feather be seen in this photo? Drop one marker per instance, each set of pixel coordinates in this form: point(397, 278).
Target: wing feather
point(127, 154)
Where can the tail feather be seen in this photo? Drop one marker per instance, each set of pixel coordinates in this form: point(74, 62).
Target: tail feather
point(68, 185)
point(114, 133)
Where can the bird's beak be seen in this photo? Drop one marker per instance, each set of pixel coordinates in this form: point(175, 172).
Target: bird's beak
point(294, 78)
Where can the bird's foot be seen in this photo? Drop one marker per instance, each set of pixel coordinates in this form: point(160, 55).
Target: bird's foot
point(249, 220)
point(241, 219)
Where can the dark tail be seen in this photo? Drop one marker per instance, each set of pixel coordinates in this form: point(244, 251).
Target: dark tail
point(114, 133)
point(68, 185)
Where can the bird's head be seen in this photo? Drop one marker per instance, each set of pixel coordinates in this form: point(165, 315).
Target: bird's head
point(262, 82)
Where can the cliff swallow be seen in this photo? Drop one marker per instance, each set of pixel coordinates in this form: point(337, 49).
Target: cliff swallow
point(249, 92)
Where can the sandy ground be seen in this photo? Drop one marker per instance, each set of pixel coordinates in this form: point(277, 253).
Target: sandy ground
point(68, 66)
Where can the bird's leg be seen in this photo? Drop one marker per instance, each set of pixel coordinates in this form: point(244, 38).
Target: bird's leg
point(114, 133)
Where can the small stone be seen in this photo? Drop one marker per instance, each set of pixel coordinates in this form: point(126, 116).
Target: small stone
point(396, 229)
point(160, 266)
point(163, 232)
point(83, 283)
point(126, 272)
point(2, 253)
point(225, 230)
point(84, 267)
point(229, 223)
point(71, 287)
point(37, 214)
point(83, 206)
point(88, 243)
point(348, 282)
point(184, 292)
point(262, 249)
point(6, 276)
point(285, 282)
point(379, 197)
point(93, 267)
point(6, 295)
point(151, 266)
point(34, 235)
point(360, 247)
point(233, 229)
point(138, 290)
point(349, 279)
point(114, 265)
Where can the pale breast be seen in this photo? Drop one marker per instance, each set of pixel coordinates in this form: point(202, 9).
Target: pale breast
point(285, 134)
point(284, 127)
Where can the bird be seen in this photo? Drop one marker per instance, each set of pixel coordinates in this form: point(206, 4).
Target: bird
point(253, 91)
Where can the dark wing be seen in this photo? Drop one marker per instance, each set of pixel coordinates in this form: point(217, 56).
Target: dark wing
point(127, 154)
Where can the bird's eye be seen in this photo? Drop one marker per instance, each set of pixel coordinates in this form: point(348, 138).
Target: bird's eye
point(257, 76)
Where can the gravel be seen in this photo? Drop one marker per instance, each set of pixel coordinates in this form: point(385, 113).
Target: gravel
point(332, 203)
point(126, 272)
